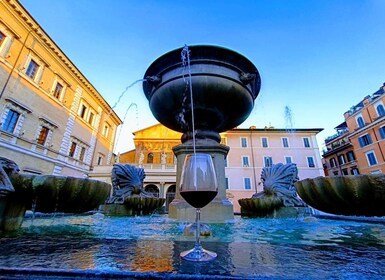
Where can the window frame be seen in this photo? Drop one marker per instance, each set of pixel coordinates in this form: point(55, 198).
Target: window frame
point(380, 109)
point(245, 161)
point(267, 161)
point(371, 155)
point(243, 142)
point(306, 142)
point(264, 142)
point(10, 122)
point(310, 161)
point(246, 183)
point(32, 69)
point(288, 157)
point(285, 142)
point(365, 140)
point(43, 135)
point(360, 121)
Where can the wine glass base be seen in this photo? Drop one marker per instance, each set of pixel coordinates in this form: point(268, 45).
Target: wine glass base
point(200, 255)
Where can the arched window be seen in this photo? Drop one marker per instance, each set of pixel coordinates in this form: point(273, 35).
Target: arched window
point(380, 110)
point(150, 158)
point(360, 122)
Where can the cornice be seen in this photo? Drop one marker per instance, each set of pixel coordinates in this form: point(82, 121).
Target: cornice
point(51, 45)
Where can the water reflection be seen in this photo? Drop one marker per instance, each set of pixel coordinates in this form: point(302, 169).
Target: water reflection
point(247, 248)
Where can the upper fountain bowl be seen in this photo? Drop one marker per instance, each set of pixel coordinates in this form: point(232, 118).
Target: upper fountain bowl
point(223, 82)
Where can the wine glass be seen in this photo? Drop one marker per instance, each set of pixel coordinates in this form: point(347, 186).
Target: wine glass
point(198, 187)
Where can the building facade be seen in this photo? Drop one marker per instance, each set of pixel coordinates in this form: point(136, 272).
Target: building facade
point(360, 149)
point(251, 149)
point(52, 119)
point(366, 123)
point(339, 157)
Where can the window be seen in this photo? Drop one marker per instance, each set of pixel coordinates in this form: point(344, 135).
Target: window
point(58, 90)
point(32, 69)
point(150, 158)
point(245, 161)
point(10, 121)
point(332, 162)
point(350, 156)
point(285, 142)
point(42, 135)
point(72, 149)
point(268, 161)
point(265, 143)
point(100, 160)
point(227, 183)
point(288, 159)
point(380, 110)
point(243, 142)
point(364, 140)
point(345, 171)
point(310, 162)
point(341, 159)
point(360, 121)
point(82, 153)
point(306, 142)
point(381, 130)
point(354, 171)
point(371, 157)
point(106, 129)
point(91, 118)
point(247, 183)
point(83, 111)
point(2, 38)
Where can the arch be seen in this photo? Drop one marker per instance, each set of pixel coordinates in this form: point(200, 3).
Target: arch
point(170, 195)
point(380, 110)
point(360, 121)
point(150, 158)
point(151, 188)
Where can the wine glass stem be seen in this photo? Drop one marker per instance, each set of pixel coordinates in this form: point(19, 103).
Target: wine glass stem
point(198, 230)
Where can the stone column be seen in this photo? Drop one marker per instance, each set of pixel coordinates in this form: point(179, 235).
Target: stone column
point(220, 210)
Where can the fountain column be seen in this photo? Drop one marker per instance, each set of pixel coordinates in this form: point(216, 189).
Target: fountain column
point(220, 209)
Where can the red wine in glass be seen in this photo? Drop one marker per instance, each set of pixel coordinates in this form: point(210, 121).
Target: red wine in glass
point(198, 187)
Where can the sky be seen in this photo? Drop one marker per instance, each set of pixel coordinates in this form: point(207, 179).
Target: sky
point(317, 58)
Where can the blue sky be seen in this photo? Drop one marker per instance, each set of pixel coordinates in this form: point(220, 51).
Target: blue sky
point(319, 58)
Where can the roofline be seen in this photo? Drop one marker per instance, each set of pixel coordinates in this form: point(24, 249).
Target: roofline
point(86, 81)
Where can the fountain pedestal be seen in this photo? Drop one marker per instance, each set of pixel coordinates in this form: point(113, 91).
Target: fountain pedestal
point(219, 210)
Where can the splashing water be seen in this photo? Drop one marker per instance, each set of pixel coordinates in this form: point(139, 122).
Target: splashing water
point(122, 94)
point(124, 121)
point(185, 56)
point(288, 119)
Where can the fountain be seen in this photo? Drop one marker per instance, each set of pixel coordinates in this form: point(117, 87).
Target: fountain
point(97, 246)
point(44, 193)
point(221, 86)
point(129, 197)
point(358, 195)
point(279, 197)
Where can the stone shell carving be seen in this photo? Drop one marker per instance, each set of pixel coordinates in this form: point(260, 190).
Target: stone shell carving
point(278, 180)
point(7, 168)
point(127, 180)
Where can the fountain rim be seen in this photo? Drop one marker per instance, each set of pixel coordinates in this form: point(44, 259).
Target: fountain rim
point(238, 62)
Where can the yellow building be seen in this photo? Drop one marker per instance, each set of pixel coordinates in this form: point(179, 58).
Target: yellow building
point(52, 119)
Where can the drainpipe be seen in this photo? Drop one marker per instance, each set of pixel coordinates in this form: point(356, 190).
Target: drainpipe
point(17, 59)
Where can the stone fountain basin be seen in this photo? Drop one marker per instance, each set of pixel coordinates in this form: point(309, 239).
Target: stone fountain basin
point(222, 99)
point(358, 195)
point(50, 194)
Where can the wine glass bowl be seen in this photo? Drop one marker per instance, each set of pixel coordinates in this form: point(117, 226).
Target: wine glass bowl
point(198, 187)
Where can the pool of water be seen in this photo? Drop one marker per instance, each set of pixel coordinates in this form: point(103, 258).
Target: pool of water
point(97, 246)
